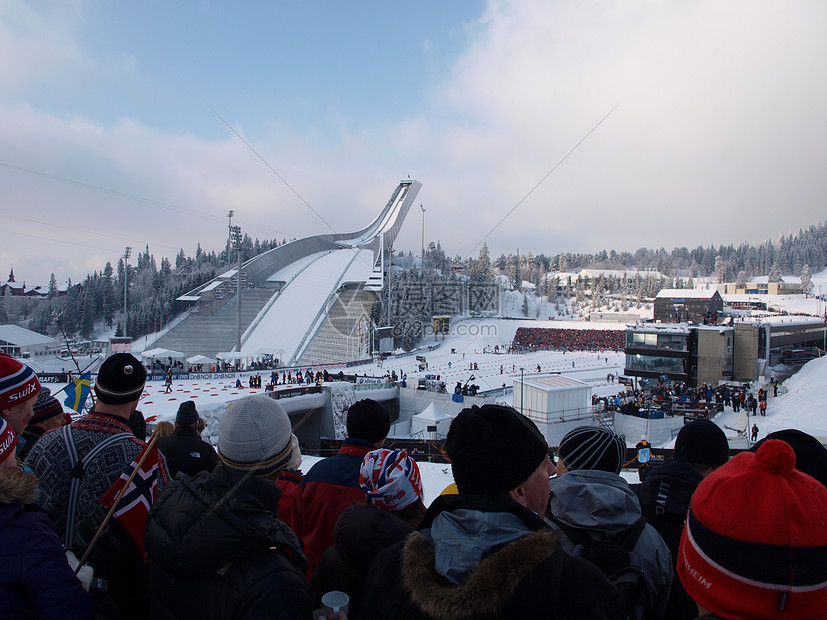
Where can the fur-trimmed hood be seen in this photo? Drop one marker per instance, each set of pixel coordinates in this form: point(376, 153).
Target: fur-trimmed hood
point(486, 587)
point(17, 487)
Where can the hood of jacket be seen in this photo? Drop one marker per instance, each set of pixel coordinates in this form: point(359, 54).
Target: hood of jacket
point(508, 540)
point(595, 500)
point(668, 489)
point(200, 524)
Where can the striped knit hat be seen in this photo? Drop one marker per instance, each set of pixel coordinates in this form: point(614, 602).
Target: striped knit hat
point(755, 540)
point(592, 447)
point(46, 407)
point(18, 383)
point(390, 479)
point(255, 436)
point(8, 440)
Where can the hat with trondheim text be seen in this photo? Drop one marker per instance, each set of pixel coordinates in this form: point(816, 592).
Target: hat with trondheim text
point(18, 383)
point(755, 540)
point(121, 379)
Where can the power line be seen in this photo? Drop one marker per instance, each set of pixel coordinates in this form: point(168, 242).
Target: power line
point(540, 182)
point(135, 197)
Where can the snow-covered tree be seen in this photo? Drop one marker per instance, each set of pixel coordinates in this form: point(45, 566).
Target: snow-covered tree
point(806, 280)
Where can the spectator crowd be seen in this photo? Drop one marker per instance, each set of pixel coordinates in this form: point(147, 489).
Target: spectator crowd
point(548, 339)
point(241, 532)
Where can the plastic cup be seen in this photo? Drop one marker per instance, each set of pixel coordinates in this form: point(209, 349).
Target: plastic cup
point(333, 602)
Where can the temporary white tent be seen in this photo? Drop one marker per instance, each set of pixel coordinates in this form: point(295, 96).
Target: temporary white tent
point(553, 399)
point(200, 359)
point(154, 354)
point(430, 417)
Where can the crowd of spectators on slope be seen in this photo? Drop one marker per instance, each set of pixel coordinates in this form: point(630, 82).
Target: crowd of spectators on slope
point(547, 339)
point(247, 535)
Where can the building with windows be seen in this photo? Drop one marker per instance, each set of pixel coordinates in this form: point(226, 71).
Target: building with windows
point(20, 342)
point(760, 285)
point(692, 354)
point(677, 305)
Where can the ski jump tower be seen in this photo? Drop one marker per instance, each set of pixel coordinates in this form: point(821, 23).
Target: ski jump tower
point(305, 302)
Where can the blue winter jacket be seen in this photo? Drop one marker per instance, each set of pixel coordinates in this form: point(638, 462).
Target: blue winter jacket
point(36, 581)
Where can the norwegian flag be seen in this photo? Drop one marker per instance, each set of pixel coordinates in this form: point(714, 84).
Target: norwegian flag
point(134, 506)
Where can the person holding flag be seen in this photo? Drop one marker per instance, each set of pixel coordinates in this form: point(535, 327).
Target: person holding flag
point(78, 464)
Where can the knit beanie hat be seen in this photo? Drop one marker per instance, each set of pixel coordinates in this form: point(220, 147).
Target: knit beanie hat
point(810, 454)
point(18, 383)
point(755, 540)
point(703, 442)
point(255, 436)
point(368, 420)
point(8, 440)
point(493, 449)
point(390, 479)
point(46, 407)
point(121, 379)
point(592, 447)
point(187, 413)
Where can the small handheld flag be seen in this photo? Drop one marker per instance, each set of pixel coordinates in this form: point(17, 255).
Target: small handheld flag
point(132, 504)
point(78, 391)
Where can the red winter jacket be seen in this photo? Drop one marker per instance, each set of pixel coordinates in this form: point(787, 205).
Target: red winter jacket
point(328, 488)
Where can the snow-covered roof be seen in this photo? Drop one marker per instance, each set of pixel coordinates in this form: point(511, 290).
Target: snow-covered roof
point(765, 280)
point(686, 293)
point(22, 337)
point(660, 328)
point(553, 382)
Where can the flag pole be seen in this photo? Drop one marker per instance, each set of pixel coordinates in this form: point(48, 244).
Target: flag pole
point(108, 516)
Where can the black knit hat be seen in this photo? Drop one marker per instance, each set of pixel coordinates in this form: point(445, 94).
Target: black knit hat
point(702, 442)
point(493, 449)
point(121, 379)
point(368, 420)
point(810, 454)
point(187, 413)
point(592, 447)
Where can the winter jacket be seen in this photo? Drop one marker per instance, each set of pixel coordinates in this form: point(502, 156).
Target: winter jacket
point(36, 581)
point(115, 557)
point(483, 558)
point(664, 500)
point(216, 549)
point(362, 532)
point(328, 488)
point(289, 482)
point(185, 451)
point(602, 503)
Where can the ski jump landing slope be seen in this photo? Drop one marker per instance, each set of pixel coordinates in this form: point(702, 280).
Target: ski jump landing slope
point(306, 276)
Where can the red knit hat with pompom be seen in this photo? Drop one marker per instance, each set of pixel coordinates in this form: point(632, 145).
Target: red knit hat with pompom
point(755, 540)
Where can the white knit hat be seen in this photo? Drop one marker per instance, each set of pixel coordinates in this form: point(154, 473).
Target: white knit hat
point(255, 436)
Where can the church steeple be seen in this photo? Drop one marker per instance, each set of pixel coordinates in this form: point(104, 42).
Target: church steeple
point(11, 274)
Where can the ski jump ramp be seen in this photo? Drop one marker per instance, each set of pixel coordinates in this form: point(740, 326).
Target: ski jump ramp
point(308, 278)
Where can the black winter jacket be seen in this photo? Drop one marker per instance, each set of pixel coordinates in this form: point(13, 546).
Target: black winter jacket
point(529, 577)
point(664, 500)
point(185, 451)
point(362, 531)
point(217, 550)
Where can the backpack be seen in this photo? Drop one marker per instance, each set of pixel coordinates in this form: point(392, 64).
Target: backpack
point(616, 559)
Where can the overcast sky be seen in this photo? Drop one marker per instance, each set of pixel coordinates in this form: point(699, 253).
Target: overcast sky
point(111, 130)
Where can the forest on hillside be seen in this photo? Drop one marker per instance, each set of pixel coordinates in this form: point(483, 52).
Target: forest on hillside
point(96, 303)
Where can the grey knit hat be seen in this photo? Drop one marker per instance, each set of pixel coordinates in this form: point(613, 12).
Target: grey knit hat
point(592, 447)
point(255, 436)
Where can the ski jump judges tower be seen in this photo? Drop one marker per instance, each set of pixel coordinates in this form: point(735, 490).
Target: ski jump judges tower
point(304, 302)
